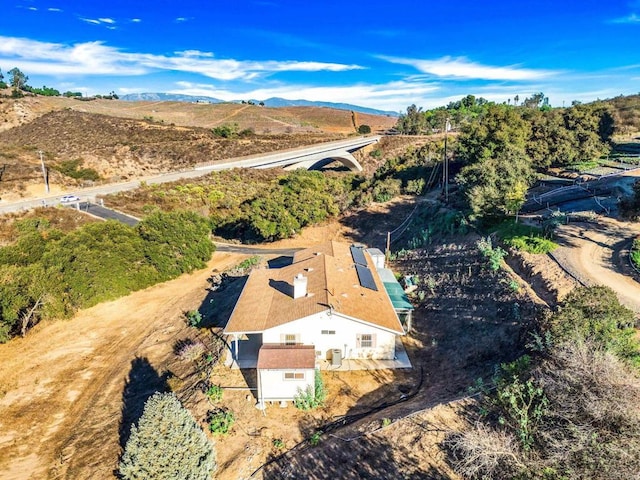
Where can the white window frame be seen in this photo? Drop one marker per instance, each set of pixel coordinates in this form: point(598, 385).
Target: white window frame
point(362, 342)
point(328, 332)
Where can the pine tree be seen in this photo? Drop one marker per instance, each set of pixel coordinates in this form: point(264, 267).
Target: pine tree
point(167, 444)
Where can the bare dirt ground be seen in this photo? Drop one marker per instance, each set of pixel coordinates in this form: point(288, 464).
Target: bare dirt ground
point(597, 254)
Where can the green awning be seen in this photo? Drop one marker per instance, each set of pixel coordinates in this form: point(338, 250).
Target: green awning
point(395, 291)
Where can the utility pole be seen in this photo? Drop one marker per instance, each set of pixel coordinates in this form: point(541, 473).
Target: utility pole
point(44, 172)
point(445, 169)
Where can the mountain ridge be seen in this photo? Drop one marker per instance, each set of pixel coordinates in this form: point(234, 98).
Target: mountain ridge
point(273, 102)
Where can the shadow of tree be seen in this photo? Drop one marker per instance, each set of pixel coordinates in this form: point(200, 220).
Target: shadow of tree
point(217, 306)
point(143, 381)
point(371, 457)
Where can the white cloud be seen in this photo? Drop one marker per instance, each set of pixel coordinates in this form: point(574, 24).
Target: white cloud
point(460, 67)
point(194, 53)
point(631, 18)
point(90, 20)
point(53, 9)
point(135, 20)
point(108, 22)
point(96, 58)
point(33, 9)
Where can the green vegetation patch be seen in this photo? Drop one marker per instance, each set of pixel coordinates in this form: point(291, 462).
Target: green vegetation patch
point(526, 238)
point(635, 252)
point(47, 273)
point(72, 168)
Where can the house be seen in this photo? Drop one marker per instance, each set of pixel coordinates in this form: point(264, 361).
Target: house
point(328, 305)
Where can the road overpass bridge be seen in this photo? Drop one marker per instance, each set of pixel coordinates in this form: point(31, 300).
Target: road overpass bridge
point(312, 157)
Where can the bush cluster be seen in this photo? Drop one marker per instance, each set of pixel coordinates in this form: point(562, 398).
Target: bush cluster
point(72, 168)
point(525, 238)
point(311, 398)
point(635, 252)
point(48, 274)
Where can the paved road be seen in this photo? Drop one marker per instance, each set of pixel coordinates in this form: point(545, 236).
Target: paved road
point(252, 250)
point(105, 213)
point(90, 194)
point(573, 193)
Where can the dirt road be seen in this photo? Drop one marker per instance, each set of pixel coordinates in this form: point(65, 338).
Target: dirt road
point(594, 253)
point(44, 434)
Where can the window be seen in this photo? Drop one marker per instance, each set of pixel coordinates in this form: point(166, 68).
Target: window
point(366, 340)
point(328, 332)
point(294, 375)
point(289, 339)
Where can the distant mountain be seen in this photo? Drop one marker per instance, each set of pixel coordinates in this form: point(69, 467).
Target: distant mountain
point(270, 102)
point(283, 102)
point(167, 97)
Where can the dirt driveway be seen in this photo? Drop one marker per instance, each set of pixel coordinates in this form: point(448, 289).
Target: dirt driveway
point(595, 254)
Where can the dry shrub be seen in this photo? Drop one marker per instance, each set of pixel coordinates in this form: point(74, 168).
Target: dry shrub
point(592, 428)
point(189, 349)
point(483, 452)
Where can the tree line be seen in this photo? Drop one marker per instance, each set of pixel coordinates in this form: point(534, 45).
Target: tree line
point(499, 148)
point(49, 274)
point(18, 83)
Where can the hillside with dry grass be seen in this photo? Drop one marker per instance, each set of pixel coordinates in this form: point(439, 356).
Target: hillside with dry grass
point(263, 120)
point(109, 140)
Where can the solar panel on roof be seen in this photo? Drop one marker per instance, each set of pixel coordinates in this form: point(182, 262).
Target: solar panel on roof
point(366, 277)
point(358, 256)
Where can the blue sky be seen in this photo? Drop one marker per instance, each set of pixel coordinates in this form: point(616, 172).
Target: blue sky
point(380, 54)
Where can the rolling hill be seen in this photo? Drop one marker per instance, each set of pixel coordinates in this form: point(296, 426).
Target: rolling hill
point(275, 102)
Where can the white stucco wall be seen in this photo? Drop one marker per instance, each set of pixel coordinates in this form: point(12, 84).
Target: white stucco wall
point(273, 386)
point(309, 332)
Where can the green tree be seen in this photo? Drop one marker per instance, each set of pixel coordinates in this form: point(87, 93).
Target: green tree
point(167, 444)
point(496, 185)
point(364, 129)
point(17, 79)
point(595, 314)
point(412, 122)
point(499, 129)
point(2, 84)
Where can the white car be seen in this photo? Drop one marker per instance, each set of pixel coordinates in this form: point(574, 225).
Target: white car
point(69, 199)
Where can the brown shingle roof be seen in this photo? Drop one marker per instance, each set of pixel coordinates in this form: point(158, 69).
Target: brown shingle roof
point(278, 357)
point(332, 283)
